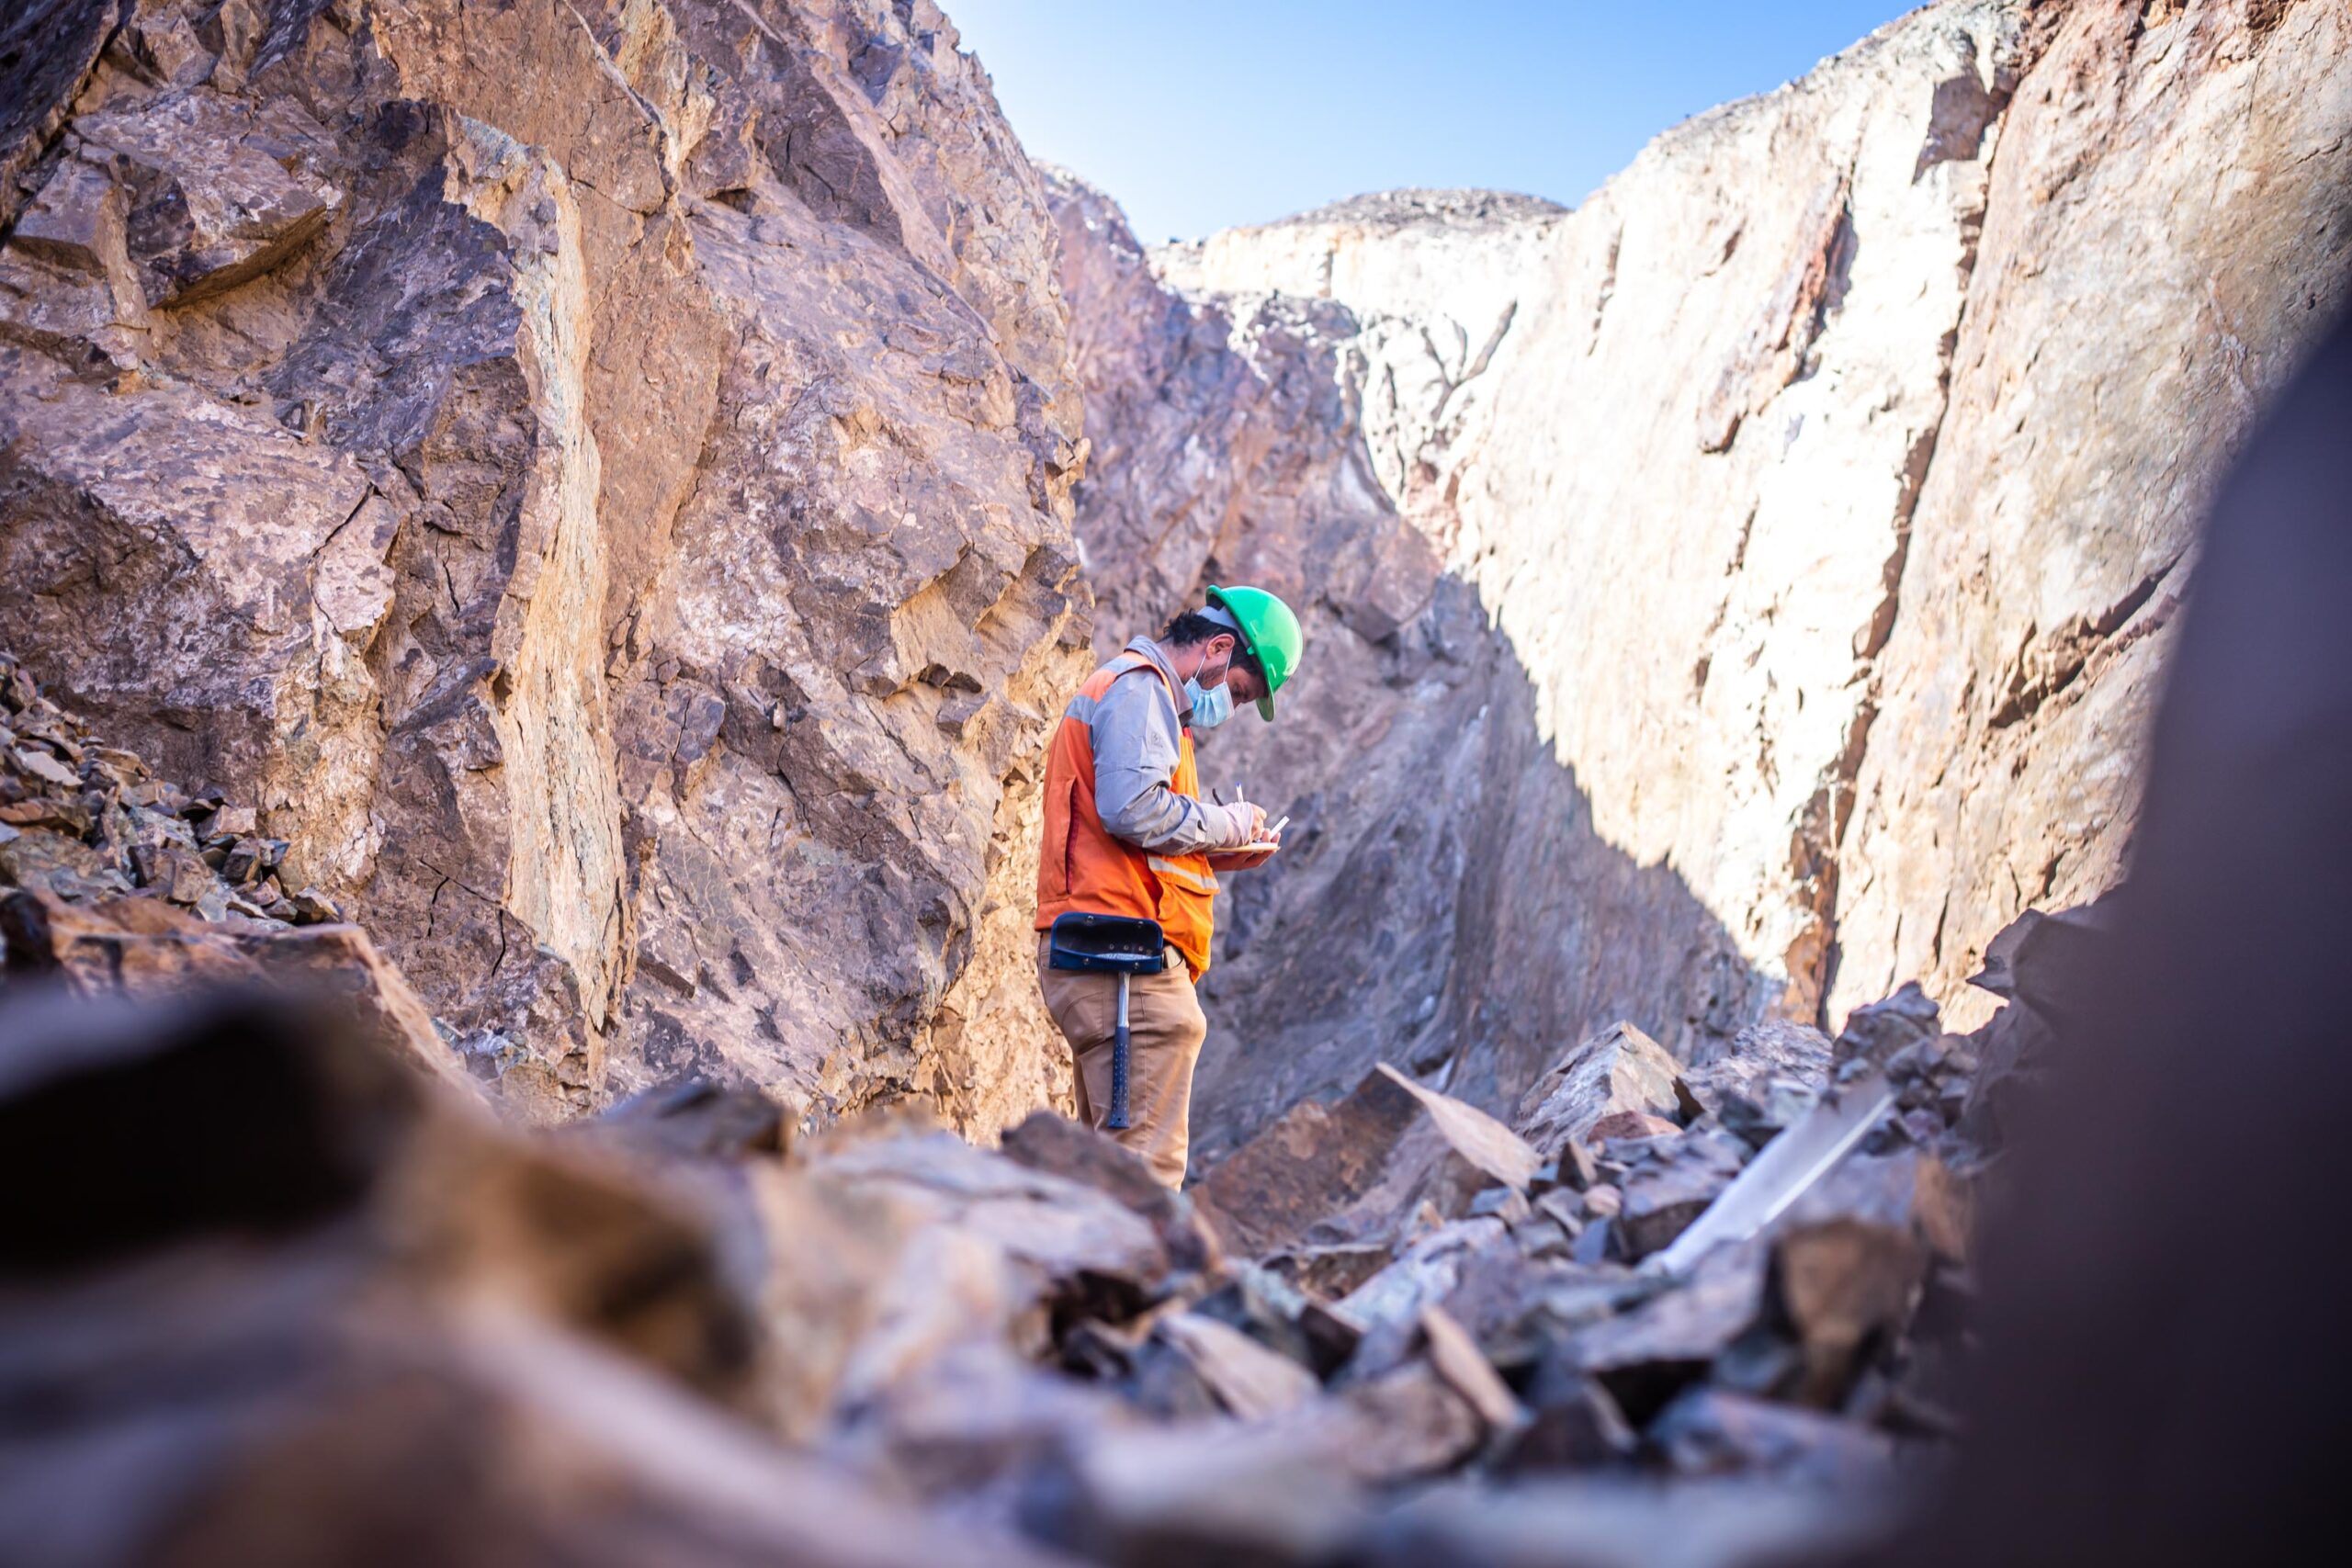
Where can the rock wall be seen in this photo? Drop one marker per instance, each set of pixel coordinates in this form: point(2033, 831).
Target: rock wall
point(1744, 591)
point(596, 474)
point(2170, 221)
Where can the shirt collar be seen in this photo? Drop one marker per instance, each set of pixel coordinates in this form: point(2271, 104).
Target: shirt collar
point(1149, 649)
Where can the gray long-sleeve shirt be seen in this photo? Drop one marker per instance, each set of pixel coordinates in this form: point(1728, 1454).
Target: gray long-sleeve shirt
point(1137, 735)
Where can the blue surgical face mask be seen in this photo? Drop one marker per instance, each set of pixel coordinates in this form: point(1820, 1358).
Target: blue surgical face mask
point(1212, 706)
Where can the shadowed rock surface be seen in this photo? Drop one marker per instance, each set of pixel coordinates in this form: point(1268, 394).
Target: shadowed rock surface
point(2232, 928)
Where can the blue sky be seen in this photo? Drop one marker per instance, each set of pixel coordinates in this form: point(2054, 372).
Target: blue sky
point(1199, 114)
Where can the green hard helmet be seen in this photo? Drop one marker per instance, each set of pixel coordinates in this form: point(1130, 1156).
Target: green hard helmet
point(1268, 631)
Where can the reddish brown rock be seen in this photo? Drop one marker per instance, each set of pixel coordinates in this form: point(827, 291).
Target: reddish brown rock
point(651, 631)
point(1058, 1146)
point(1310, 1166)
point(1619, 1083)
point(1844, 1285)
point(372, 1327)
point(1672, 1183)
point(1630, 1124)
point(1499, 1153)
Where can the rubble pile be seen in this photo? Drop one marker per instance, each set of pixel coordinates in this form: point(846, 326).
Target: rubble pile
point(86, 824)
point(114, 881)
point(364, 1318)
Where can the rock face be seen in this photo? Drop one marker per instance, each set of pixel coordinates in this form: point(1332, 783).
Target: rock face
point(1738, 595)
point(597, 475)
point(2129, 311)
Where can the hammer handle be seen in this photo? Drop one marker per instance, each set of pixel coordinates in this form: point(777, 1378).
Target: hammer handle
point(1117, 1122)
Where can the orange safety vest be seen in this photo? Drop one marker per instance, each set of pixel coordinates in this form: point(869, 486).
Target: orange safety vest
point(1081, 867)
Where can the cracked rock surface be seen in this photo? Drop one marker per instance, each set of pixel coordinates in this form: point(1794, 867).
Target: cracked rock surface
point(676, 1333)
point(595, 475)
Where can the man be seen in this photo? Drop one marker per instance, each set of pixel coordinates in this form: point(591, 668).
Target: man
point(1127, 833)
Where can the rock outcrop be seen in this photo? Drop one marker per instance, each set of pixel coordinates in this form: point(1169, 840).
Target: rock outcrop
point(595, 475)
point(1744, 591)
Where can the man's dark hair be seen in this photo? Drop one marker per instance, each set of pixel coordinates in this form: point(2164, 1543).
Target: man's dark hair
point(1191, 626)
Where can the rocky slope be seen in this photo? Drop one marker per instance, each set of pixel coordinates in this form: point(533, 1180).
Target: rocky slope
point(595, 474)
point(373, 1324)
point(1747, 591)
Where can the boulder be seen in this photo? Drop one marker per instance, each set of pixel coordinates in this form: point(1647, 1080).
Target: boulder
point(1464, 1366)
point(1060, 1146)
point(1876, 1032)
point(1573, 1424)
point(700, 1120)
point(1770, 1074)
point(1621, 1072)
point(885, 1253)
point(1844, 1286)
point(1249, 1380)
point(1647, 1354)
point(1289, 1318)
point(1478, 1137)
point(1672, 1183)
point(1308, 1166)
point(205, 203)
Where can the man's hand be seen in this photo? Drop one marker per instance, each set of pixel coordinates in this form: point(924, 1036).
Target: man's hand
point(1257, 833)
point(1243, 824)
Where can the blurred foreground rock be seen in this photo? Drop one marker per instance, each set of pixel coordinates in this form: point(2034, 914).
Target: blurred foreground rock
point(281, 1303)
point(283, 1298)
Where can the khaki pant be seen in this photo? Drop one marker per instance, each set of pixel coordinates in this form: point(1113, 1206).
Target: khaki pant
point(1165, 1028)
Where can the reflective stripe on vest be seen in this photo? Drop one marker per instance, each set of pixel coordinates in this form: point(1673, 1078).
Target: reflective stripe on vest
point(1200, 881)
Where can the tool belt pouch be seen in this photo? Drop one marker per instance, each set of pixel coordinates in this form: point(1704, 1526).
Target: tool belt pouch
point(1107, 944)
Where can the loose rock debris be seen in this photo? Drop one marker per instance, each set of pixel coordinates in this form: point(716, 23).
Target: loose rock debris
point(1390, 1327)
point(81, 823)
